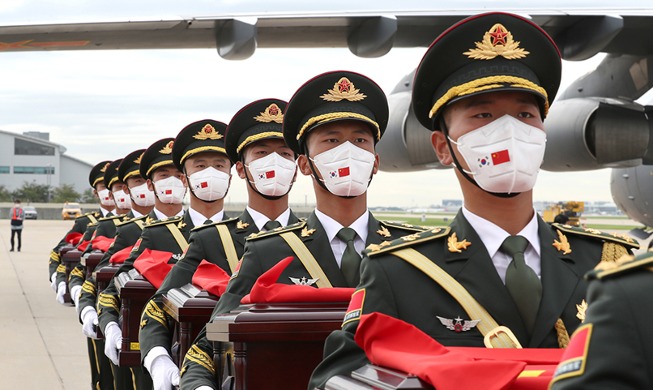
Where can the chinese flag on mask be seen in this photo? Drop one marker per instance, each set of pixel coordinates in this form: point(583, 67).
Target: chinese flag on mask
point(342, 172)
point(500, 157)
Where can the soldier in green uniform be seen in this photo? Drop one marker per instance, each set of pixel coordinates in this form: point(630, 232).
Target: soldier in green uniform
point(254, 143)
point(484, 87)
point(198, 154)
point(127, 233)
point(96, 180)
point(333, 122)
point(613, 349)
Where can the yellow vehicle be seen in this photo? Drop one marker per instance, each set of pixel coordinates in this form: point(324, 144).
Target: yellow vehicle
point(71, 211)
point(571, 210)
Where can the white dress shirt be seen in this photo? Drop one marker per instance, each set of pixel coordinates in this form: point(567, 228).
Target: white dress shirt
point(332, 227)
point(260, 219)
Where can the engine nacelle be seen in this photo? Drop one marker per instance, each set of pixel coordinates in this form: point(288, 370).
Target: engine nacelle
point(631, 191)
point(406, 144)
point(594, 133)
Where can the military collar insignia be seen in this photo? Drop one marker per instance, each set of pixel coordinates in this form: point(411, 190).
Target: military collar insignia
point(582, 308)
point(303, 281)
point(383, 232)
point(181, 224)
point(271, 114)
point(149, 220)
point(458, 324)
point(562, 245)
point(306, 232)
point(497, 41)
point(208, 132)
point(457, 246)
point(343, 89)
point(168, 148)
point(240, 225)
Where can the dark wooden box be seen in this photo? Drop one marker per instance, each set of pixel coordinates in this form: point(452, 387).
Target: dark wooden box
point(70, 260)
point(104, 275)
point(191, 308)
point(91, 261)
point(275, 346)
point(134, 291)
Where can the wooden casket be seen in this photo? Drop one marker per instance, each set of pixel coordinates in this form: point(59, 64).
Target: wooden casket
point(134, 292)
point(191, 308)
point(275, 346)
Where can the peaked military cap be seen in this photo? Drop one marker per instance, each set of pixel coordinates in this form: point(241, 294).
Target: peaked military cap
point(486, 53)
point(156, 155)
point(258, 120)
point(97, 173)
point(334, 96)
point(130, 165)
point(111, 174)
point(206, 135)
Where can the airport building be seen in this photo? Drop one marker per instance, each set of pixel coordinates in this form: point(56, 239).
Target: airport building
point(31, 157)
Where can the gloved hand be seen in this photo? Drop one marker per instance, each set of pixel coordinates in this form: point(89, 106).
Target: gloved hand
point(205, 387)
point(53, 281)
point(89, 323)
point(61, 290)
point(165, 374)
point(112, 341)
point(75, 292)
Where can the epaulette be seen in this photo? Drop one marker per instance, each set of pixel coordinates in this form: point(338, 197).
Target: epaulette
point(623, 265)
point(405, 226)
point(597, 234)
point(131, 220)
point(224, 221)
point(279, 230)
point(409, 240)
point(166, 221)
point(94, 214)
point(111, 218)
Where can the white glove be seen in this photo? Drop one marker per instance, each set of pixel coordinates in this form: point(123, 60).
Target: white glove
point(61, 290)
point(75, 293)
point(89, 323)
point(205, 387)
point(53, 281)
point(165, 374)
point(112, 341)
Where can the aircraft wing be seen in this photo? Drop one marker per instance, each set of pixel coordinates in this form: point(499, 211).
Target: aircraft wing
point(579, 34)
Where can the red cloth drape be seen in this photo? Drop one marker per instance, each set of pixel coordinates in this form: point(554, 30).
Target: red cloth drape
point(211, 278)
point(153, 265)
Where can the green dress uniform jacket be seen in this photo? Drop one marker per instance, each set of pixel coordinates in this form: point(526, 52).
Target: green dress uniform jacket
point(78, 227)
point(261, 254)
point(156, 236)
point(205, 244)
point(395, 287)
point(127, 233)
point(615, 344)
point(106, 227)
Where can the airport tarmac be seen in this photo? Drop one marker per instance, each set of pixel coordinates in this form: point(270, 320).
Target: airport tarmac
point(41, 343)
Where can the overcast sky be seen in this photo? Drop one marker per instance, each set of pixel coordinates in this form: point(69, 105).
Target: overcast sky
point(105, 104)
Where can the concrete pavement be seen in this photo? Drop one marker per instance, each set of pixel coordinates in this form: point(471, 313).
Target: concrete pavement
point(41, 341)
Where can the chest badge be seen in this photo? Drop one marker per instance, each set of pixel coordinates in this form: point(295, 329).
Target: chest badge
point(303, 281)
point(458, 324)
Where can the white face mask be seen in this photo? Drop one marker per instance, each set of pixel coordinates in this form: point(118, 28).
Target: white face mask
point(209, 184)
point(142, 195)
point(105, 198)
point(273, 175)
point(170, 190)
point(122, 200)
point(346, 169)
point(503, 156)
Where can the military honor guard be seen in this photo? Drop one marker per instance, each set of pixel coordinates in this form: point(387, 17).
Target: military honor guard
point(613, 348)
point(333, 123)
point(254, 143)
point(96, 180)
point(483, 87)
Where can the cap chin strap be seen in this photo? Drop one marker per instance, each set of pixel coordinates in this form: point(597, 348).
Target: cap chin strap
point(249, 183)
point(320, 182)
point(457, 165)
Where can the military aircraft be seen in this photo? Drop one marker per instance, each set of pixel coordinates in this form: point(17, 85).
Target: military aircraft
point(597, 122)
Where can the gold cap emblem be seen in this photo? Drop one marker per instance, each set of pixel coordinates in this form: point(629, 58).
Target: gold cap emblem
point(343, 89)
point(138, 160)
point(207, 132)
point(498, 41)
point(168, 148)
point(271, 114)
point(104, 168)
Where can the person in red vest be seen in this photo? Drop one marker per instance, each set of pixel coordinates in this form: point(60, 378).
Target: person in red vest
point(17, 215)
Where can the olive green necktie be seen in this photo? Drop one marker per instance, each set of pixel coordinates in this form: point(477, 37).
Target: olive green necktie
point(351, 260)
point(270, 225)
point(521, 281)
